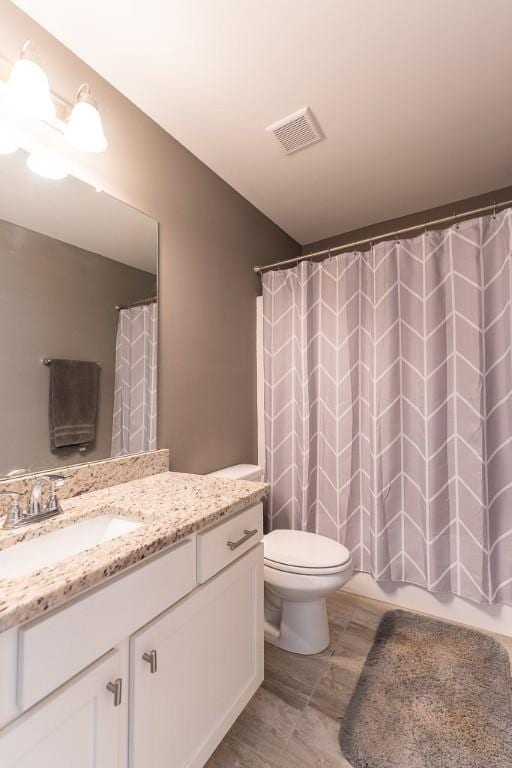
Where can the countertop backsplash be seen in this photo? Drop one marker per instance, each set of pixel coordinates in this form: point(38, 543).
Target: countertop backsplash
point(96, 475)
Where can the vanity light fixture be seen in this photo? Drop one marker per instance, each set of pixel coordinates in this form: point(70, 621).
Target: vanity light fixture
point(42, 123)
point(28, 86)
point(84, 128)
point(47, 165)
point(8, 141)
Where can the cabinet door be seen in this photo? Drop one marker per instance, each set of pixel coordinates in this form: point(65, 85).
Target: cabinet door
point(209, 662)
point(76, 727)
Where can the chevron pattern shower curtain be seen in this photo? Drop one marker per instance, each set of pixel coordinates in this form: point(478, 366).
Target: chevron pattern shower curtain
point(134, 422)
point(388, 406)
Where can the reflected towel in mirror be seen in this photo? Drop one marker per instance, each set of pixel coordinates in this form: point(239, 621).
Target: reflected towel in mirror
point(73, 403)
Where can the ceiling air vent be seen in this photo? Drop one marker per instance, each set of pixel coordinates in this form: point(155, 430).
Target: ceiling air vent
point(297, 131)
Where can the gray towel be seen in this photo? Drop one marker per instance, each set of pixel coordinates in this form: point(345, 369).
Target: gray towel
point(73, 403)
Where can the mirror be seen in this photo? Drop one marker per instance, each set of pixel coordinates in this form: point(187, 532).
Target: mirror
point(78, 286)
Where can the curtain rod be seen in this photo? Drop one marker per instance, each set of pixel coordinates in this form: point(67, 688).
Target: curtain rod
point(140, 303)
point(384, 236)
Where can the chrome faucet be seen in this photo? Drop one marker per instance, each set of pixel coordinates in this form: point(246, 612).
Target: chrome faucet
point(37, 510)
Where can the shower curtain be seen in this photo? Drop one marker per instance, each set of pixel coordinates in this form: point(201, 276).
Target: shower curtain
point(134, 422)
point(388, 406)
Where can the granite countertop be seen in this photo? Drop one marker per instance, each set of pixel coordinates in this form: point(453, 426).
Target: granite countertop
point(171, 507)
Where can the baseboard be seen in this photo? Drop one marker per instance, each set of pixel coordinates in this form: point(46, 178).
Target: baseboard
point(492, 618)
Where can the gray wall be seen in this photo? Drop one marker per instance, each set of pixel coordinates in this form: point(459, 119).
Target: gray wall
point(413, 219)
point(210, 238)
point(56, 300)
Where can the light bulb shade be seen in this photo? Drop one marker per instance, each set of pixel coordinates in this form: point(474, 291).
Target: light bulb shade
point(85, 129)
point(8, 140)
point(47, 165)
point(30, 90)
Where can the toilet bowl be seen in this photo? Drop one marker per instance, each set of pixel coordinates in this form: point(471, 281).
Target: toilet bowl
point(300, 570)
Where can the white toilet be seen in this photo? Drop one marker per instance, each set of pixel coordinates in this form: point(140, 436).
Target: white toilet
point(301, 569)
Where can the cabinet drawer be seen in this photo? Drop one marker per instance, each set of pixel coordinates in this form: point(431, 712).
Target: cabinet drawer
point(53, 649)
point(225, 542)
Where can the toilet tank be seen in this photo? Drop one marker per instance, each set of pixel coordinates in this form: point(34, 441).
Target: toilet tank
point(240, 472)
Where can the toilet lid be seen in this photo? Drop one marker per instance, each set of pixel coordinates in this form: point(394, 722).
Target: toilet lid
point(300, 550)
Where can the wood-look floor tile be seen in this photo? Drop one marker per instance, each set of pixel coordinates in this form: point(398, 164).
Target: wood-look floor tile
point(292, 676)
point(235, 754)
point(336, 686)
point(266, 724)
point(370, 612)
point(334, 690)
point(340, 608)
point(314, 743)
point(354, 645)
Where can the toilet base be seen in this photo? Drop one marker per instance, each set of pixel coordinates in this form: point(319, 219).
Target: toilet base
point(303, 627)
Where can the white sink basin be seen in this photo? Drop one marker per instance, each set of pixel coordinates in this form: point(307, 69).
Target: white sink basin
point(50, 548)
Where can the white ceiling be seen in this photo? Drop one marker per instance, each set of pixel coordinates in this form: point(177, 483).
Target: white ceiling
point(413, 95)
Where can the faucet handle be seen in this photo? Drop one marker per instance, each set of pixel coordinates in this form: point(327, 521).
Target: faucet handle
point(53, 504)
point(15, 514)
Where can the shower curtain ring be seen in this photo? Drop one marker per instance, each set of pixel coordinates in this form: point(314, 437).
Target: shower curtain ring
point(494, 210)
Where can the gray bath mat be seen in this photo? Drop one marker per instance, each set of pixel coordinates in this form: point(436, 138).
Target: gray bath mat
point(430, 695)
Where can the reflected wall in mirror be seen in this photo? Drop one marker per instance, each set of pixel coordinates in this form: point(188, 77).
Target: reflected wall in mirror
point(73, 261)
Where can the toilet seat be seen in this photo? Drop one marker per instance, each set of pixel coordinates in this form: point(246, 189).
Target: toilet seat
point(305, 553)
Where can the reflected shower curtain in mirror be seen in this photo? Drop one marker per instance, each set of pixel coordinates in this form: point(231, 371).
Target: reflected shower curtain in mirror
point(388, 406)
point(135, 403)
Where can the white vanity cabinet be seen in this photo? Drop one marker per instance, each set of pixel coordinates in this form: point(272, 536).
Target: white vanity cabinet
point(195, 668)
point(78, 726)
point(148, 671)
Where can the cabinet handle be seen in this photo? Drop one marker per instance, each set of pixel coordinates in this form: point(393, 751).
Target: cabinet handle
point(117, 689)
point(152, 660)
point(247, 535)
